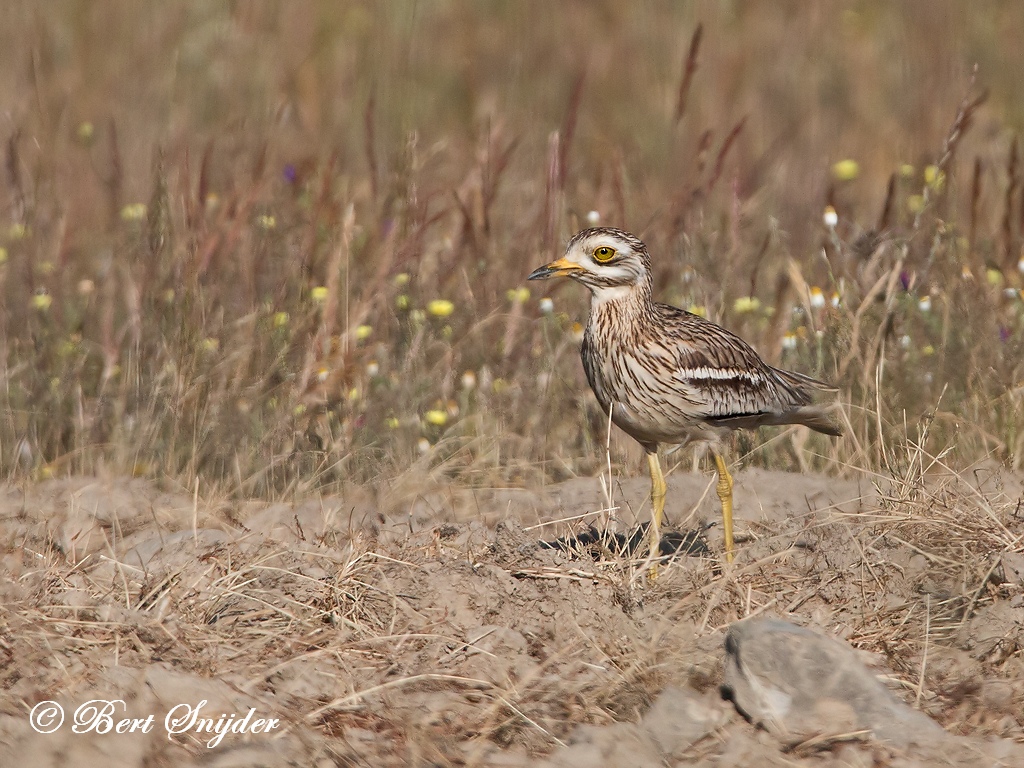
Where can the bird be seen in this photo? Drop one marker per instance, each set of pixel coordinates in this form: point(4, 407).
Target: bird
point(668, 376)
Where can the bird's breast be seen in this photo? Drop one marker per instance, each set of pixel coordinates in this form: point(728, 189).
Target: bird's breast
point(635, 381)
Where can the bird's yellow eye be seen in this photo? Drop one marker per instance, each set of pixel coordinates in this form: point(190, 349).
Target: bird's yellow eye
point(604, 253)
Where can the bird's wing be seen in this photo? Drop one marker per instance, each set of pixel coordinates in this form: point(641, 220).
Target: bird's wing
point(723, 376)
point(722, 389)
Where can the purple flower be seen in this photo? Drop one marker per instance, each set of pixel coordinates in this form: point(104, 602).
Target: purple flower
point(290, 173)
point(1004, 334)
point(905, 280)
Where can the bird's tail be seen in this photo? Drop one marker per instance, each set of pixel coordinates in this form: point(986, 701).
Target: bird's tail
point(821, 417)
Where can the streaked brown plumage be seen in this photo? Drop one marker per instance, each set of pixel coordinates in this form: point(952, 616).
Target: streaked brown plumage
point(669, 376)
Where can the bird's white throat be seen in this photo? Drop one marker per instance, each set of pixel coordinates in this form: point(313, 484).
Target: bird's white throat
point(613, 294)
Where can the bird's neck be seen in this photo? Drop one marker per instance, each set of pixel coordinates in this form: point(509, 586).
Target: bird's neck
point(632, 303)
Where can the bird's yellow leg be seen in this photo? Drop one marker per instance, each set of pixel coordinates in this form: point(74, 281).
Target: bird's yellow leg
point(725, 495)
point(657, 503)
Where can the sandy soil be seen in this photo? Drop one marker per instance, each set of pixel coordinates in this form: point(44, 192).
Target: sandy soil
point(421, 624)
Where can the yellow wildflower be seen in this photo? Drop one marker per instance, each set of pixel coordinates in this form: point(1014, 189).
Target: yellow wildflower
point(134, 212)
point(518, 295)
point(745, 304)
point(85, 132)
point(934, 177)
point(846, 170)
point(436, 417)
point(440, 307)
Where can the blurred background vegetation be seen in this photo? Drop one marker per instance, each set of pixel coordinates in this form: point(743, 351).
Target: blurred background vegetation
point(284, 245)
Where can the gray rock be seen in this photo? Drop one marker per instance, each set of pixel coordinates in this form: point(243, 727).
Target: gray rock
point(798, 684)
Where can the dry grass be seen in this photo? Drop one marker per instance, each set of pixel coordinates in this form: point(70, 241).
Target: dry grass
point(463, 638)
point(272, 249)
point(253, 251)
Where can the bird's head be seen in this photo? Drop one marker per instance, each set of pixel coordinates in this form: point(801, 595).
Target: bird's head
point(603, 259)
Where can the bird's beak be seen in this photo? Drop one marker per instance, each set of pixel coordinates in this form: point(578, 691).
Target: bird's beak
point(559, 268)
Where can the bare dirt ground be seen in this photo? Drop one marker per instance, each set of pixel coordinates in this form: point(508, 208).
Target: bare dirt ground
point(422, 625)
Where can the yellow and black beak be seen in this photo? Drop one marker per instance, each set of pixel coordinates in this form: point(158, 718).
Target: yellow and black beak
point(560, 268)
